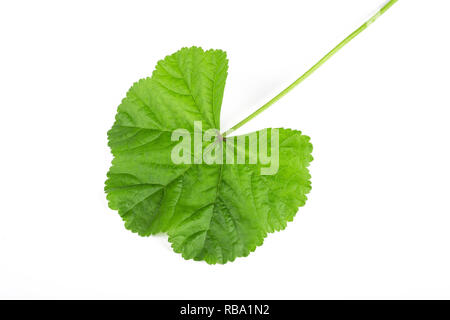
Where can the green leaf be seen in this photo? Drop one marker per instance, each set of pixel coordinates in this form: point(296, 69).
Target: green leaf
point(212, 212)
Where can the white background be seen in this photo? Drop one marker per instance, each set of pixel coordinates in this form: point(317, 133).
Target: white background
point(377, 223)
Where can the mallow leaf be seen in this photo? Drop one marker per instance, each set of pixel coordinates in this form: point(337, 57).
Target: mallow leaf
point(219, 199)
point(212, 212)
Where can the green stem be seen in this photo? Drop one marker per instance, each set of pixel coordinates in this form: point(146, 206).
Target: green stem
point(313, 68)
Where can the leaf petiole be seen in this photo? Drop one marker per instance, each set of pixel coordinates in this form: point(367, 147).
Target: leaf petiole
point(313, 68)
